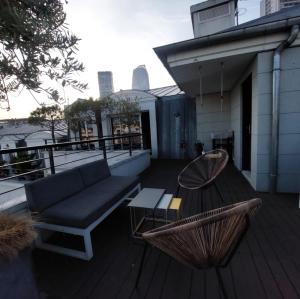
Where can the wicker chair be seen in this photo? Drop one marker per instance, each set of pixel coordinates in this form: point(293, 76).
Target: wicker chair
point(205, 240)
point(202, 172)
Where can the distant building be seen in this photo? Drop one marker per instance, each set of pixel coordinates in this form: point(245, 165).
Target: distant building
point(140, 78)
point(271, 6)
point(18, 132)
point(106, 85)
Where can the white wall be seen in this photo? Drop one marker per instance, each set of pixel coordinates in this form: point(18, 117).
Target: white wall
point(132, 166)
point(210, 118)
point(262, 117)
point(289, 121)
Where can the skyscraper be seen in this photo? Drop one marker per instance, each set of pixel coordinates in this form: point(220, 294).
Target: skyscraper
point(270, 6)
point(106, 85)
point(140, 78)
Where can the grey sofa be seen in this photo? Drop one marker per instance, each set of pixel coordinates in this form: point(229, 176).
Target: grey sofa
point(76, 201)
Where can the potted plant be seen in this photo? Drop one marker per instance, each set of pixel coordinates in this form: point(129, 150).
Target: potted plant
point(16, 277)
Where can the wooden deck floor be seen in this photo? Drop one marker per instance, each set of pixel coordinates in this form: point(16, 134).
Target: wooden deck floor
point(267, 264)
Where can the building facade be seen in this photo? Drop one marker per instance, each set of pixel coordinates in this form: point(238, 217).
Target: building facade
point(271, 6)
point(106, 85)
point(230, 75)
point(140, 78)
point(162, 110)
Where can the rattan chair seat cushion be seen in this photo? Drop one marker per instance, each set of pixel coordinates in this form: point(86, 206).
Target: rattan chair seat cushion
point(203, 170)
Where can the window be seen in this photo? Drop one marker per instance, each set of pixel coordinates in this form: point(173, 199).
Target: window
point(119, 126)
point(211, 13)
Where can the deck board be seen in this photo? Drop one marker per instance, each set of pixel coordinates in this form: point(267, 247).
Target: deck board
point(267, 264)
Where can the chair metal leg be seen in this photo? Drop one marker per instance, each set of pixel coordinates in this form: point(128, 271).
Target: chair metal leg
point(221, 283)
point(141, 265)
point(177, 190)
point(219, 192)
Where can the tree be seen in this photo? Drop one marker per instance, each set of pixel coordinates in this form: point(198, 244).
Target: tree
point(76, 114)
point(86, 111)
point(50, 117)
point(36, 47)
point(127, 108)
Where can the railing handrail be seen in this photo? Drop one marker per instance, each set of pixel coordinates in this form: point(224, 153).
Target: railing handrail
point(64, 144)
point(10, 172)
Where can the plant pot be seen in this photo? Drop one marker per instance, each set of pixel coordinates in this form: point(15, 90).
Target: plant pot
point(16, 277)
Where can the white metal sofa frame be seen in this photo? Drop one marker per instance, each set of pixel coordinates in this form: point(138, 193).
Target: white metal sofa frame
point(87, 254)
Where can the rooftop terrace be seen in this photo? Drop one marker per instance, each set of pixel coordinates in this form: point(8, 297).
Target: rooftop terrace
point(267, 264)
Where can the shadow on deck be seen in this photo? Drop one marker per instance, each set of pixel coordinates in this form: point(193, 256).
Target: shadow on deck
point(267, 264)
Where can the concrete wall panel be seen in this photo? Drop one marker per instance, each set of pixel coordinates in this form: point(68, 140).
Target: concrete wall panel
point(290, 101)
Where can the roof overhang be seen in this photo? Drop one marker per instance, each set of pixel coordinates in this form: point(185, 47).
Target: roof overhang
point(236, 48)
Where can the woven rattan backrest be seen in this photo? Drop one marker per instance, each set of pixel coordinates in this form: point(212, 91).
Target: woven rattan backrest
point(205, 239)
point(203, 170)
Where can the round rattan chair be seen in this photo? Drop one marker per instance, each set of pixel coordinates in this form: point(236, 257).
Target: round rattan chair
point(202, 172)
point(205, 240)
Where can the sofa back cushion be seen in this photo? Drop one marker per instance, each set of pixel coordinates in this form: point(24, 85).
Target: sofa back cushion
point(94, 172)
point(47, 191)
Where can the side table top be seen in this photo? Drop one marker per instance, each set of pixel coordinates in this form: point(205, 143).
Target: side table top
point(148, 198)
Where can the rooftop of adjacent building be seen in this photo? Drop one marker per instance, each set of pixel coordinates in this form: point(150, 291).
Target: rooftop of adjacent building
point(21, 127)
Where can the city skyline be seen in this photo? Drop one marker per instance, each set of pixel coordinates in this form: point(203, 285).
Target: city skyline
point(271, 6)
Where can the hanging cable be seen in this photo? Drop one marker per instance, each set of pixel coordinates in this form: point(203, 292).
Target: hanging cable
point(200, 86)
point(222, 85)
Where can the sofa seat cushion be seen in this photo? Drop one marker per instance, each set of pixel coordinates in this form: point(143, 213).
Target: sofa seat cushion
point(82, 209)
point(120, 184)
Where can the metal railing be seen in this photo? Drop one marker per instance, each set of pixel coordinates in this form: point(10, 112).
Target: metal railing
point(29, 163)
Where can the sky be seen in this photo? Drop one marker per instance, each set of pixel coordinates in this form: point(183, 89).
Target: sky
point(119, 35)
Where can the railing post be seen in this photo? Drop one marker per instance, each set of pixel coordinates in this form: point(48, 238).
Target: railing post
point(104, 150)
point(130, 146)
point(52, 167)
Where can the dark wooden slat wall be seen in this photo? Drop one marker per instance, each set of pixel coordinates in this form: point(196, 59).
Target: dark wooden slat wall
point(267, 265)
point(176, 123)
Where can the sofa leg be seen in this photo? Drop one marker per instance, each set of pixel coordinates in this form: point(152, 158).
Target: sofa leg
point(88, 245)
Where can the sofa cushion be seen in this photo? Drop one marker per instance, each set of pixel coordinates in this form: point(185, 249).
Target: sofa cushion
point(82, 209)
point(94, 172)
point(48, 191)
point(121, 184)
